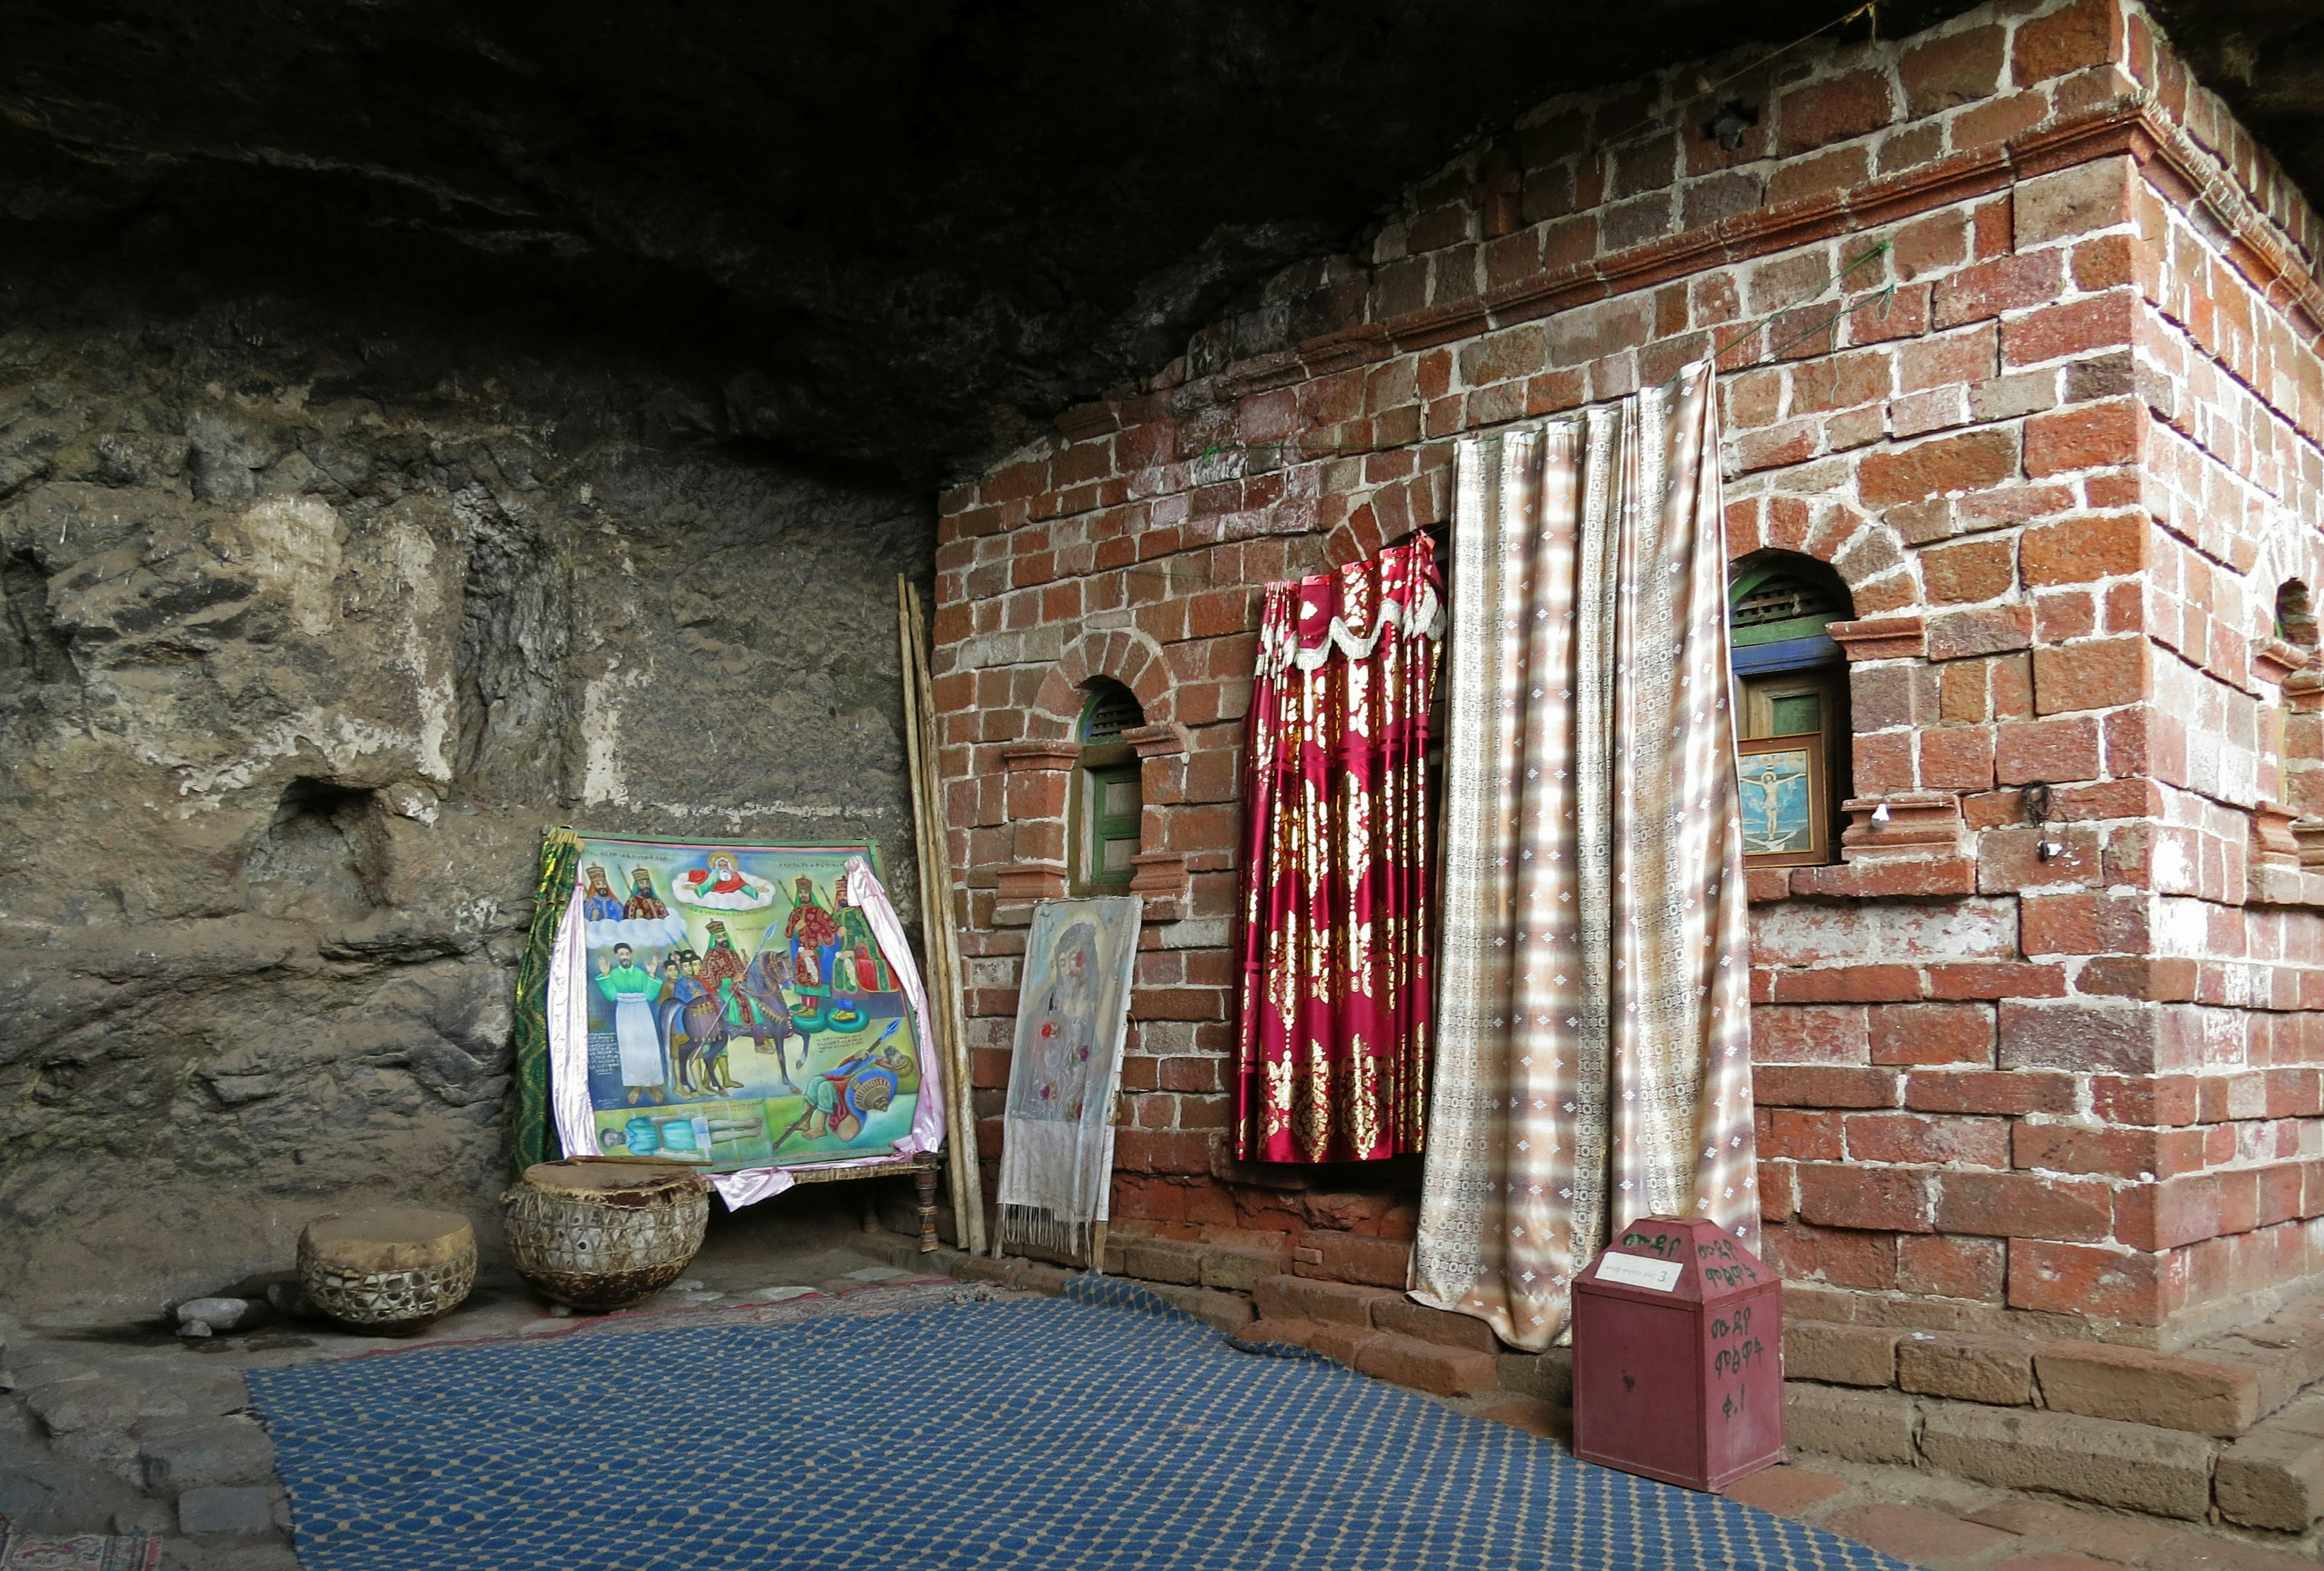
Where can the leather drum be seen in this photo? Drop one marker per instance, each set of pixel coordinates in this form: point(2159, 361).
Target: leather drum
point(387, 1269)
point(605, 1236)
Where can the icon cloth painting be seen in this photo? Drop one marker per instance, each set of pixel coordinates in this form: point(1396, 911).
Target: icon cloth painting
point(745, 1009)
point(1073, 1020)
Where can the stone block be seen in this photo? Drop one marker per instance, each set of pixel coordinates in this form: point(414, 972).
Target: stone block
point(1035, 1277)
point(2273, 1478)
point(1342, 1342)
point(1859, 1425)
point(1241, 1270)
point(1427, 1366)
point(1546, 1375)
point(1834, 1354)
point(2164, 1472)
point(2139, 1387)
point(1230, 1312)
point(1163, 1260)
point(242, 1510)
point(1971, 1369)
point(1300, 1298)
point(226, 1451)
point(69, 1407)
point(1442, 1327)
point(1290, 1333)
point(1353, 1257)
point(978, 1268)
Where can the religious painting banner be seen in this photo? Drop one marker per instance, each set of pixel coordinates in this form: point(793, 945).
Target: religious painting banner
point(1073, 1018)
point(1593, 1027)
point(745, 1008)
point(1332, 1045)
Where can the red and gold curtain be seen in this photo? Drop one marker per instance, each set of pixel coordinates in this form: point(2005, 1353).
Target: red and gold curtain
point(1332, 1040)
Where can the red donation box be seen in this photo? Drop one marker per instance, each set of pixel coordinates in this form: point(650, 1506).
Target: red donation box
point(1678, 1368)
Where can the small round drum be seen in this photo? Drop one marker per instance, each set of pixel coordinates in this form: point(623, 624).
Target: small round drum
point(387, 1269)
point(605, 1236)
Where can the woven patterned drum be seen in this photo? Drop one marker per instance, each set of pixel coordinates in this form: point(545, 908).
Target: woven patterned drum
point(388, 1269)
point(605, 1236)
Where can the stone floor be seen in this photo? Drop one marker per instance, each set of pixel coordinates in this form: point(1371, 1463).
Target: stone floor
point(109, 1427)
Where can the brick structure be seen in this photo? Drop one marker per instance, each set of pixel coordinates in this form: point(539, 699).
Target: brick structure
point(2069, 472)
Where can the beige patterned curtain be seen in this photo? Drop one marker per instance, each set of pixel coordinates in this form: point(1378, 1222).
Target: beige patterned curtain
point(1593, 1040)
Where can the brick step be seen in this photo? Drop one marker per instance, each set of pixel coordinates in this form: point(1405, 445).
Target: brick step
point(2215, 1396)
point(2135, 1466)
point(2274, 1477)
point(1388, 1355)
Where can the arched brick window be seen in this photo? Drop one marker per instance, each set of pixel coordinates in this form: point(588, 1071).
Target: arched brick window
point(1791, 682)
point(1108, 800)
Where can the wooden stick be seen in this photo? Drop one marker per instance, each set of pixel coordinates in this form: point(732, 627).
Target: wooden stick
point(935, 905)
point(909, 667)
point(970, 1228)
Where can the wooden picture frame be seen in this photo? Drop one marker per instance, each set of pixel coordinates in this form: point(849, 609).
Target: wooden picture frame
point(1789, 779)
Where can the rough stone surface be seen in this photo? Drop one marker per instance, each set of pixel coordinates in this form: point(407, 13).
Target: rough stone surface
point(1839, 1354)
point(1546, 1375)
point(1297, 1297)
point(220, 1451)
point(1429, 1366)
point(70, 1407)
point(1860, 1425)
point(219, 1314)
point(2274, 1477)
point(1230, 1312)
point(1163, 1260)
point(1975, 1369)
point(2164, 1472)
point(1442, 1327)
point(2139, 1387)
point(310, 627)
point(1241, 1270)
point(918, 245)
point(241, 1510)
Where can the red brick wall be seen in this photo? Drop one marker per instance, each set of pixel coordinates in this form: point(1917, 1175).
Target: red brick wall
point(2062, 469)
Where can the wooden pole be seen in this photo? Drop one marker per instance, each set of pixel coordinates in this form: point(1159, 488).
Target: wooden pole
point(946, 1007)
point(938, 1020)
point(972, 1229)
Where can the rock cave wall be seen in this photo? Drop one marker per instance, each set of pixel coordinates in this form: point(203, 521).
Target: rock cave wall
point(311, 625)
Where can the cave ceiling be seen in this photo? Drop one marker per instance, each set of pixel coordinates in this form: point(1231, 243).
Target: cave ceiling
point(892, 233)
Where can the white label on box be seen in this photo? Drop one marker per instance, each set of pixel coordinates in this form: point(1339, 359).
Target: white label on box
point(1637, 1271)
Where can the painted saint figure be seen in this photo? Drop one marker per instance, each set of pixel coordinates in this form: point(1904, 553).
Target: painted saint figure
point(724, 963)
point(631, 989)
point(600, 905)
point(855, 938)
point(644, 905)
point(811, 925)
point(1065, 1034)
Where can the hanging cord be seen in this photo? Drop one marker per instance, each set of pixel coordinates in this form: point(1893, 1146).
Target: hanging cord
point(1884, 296)
point(1654, 122)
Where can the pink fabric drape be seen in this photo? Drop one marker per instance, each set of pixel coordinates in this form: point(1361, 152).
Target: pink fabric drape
point(1332, 1044)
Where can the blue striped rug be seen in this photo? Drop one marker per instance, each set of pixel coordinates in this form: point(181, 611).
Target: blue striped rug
point(1102, 1430)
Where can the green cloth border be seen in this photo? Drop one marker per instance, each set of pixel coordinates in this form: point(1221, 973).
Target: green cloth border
point(560, 856)
point(560, 861)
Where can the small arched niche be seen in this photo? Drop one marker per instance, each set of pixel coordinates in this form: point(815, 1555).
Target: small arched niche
point(1108, 803)
point(1791, 686)
point(2295, 615)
